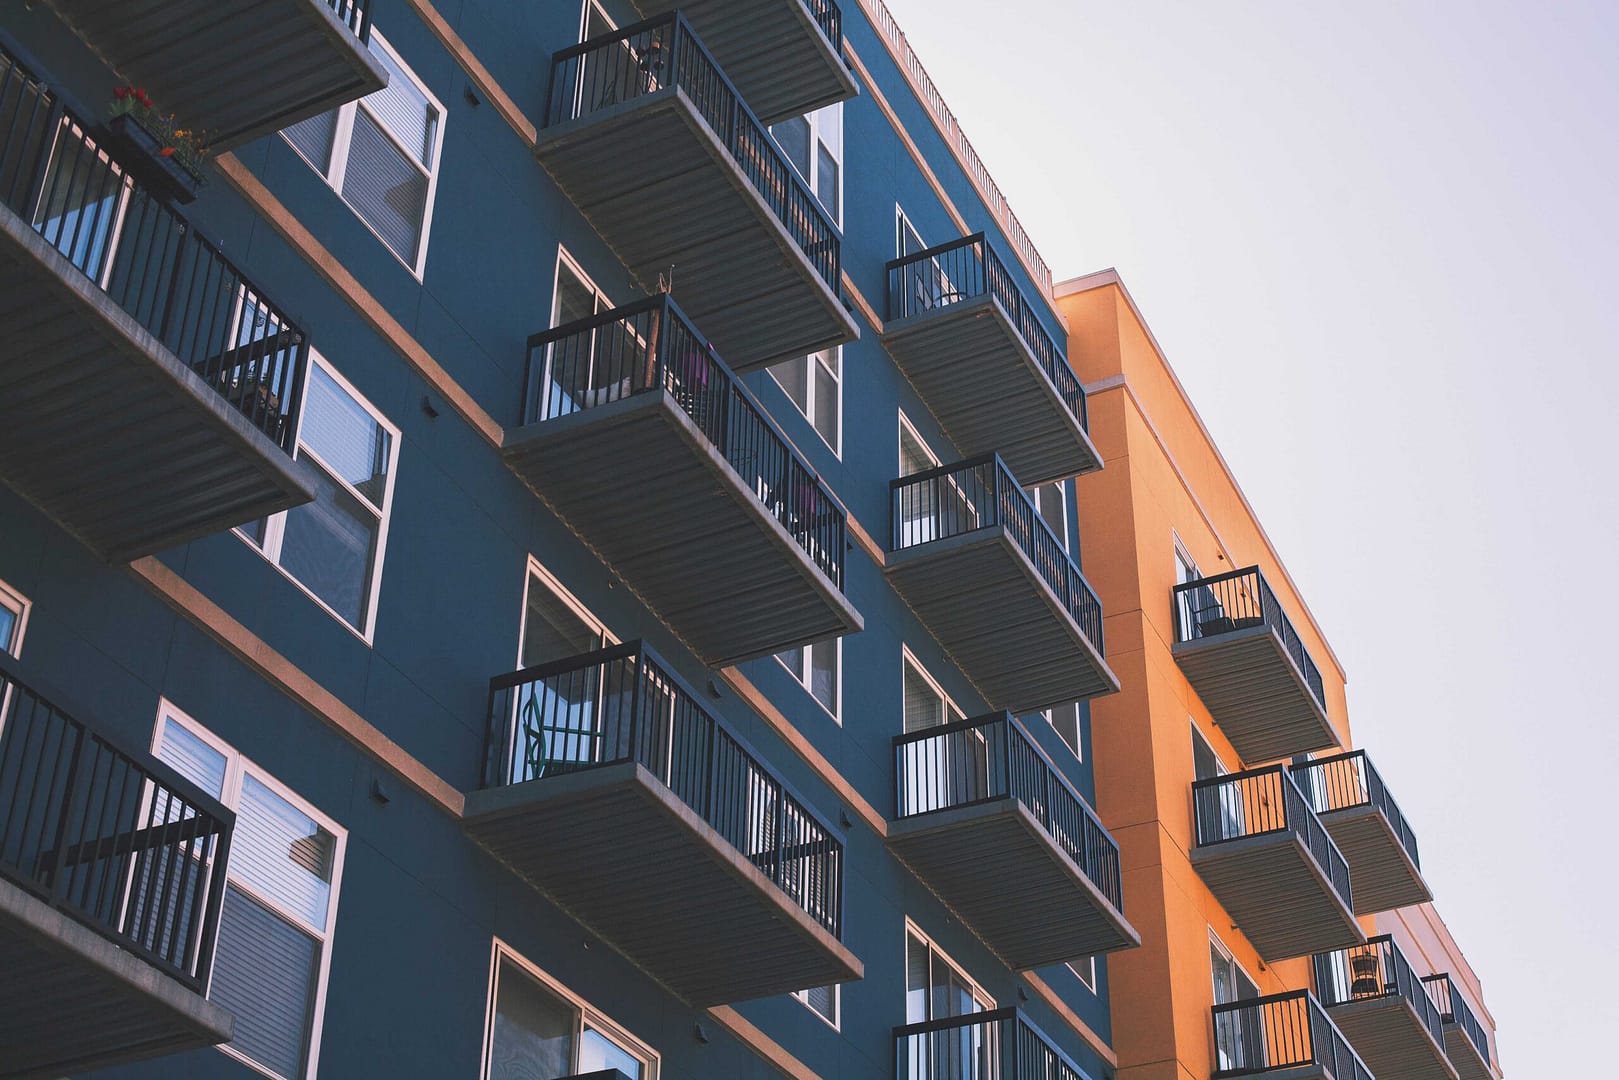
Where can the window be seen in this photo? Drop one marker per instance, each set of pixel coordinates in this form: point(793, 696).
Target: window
point(1052, 502)
point(1206, 764)
point(819, 667)
point(1235, 1042)
point(555, 624)
point(275, 929)
point(815, 383)
point(381, 154)
point(13, 619)
point(823, 1001)
point(1064, 719)
point(814, 144)
point(907, 241)
point(333, 546)
point(1084, 970)
point(925, 705)
point(537, 1030)
point(935, 988)
point(1189, 602)
point(920, 506)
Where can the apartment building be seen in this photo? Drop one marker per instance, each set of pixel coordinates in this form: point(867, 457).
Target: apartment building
point(554, 553)
point(1286, 926)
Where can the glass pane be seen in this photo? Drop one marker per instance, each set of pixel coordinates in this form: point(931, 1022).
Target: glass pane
point(78, 208)
point(553, 630)
point(824, 674)
point(794, 659)
point(1205, 765)
point(827, 405)
point(575, 299)
point(283, 854)
point(265, 972)
point(193, 758)
point(793, 375)
point(910, 241)
point(330, 545)
point(598, 1052)
point(8, 629)
point(1052, 507)
point(404, 109)
point(314, 137)
point(824, 1000)
point(826, 182)
point(1065, 719)
point(347, 437)
point(793, 136)
point(385, 188)
point(1220, 967)
point(533, 1036)
point(916, 980)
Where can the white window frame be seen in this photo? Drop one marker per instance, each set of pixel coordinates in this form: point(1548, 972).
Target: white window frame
point(343, 136)
point(908, 657)
point(275, 525)
point(584, 18)
point(902, 219)
point(814, 120)
point(906, 427)
point(1088, 976)
point(538, 570)
point(565, 258)
point(237, 766)
point(1051, 718)
point(1231, 958)
point(16, 603)
point(805, 673)
point(835, 1021)
point(1037, 494)
point(980, 995)
point(588, 1014)
point(812, 404)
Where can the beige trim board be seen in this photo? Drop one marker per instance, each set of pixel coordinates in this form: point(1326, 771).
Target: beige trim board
point(479, 74)
point(1071, 1018)
point(861, 303)
point(285, 676)
point(760, 1043)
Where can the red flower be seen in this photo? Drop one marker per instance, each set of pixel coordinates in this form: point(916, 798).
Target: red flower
point(121, 93)
point(167, 151)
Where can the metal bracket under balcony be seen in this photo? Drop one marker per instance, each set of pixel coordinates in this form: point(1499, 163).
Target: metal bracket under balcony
point(236, 69)
point(999, 1043)
point(970, 342)
point(147, 388)
point(1376, 999)
point(989, 824)
point(616, 793)
point(1349, 796)
point(785, 56)
point(1240, 652)
point(641, 438)
point(1272, 865)
point(1466, 1043)
point(656, 148)
point(981, 568)
point(1282, 1037)
point(109, 904)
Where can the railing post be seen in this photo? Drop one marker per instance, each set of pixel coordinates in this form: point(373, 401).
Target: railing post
point(713, 758)
point(174, 284)
point(635, 704)
point(215, 902)
point(781, 834)
point(66, 800)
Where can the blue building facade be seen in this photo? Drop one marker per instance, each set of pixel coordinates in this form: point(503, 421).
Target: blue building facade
point(484, 352)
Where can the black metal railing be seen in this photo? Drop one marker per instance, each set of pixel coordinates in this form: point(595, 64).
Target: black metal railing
point(993, 757)
point(829, 17)
point(1348, 780)
point(1282, 1031)
point(1238, 600)
point(651, 345)
point(623, 704)
point(114, 838)
point(355, 14)
point(966, 269)
point(1453, 1009)
point(982, 493)
point(1261, 802)
point(661, 53)
point(1377, 969)
point(154, 264)
point(1001, 1044)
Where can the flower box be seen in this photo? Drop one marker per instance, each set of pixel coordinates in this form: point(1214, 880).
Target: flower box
point(139, 151)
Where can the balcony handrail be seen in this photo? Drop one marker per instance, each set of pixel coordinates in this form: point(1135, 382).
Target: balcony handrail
point(1349, 780)
point(966, 269)
point(1027, 1055)
point(1264, 802)
point(1281, 1031)
point(146, 257)
point(1377, 969)
point(990, 758)
point(662, 53)
point(1453, 1009)
point(356, 15)
point(829, 17)
point(1234, 607)
point(652, 346)
point(109, 835)
point(981, 493)
point(624, 704)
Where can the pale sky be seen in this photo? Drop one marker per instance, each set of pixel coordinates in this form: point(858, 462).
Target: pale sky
point(1379, 243)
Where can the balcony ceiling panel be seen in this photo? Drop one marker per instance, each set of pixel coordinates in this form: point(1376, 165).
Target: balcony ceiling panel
point(1255, 693)
point(1276, 893)
point(1390, 1039)
point(1385, 877)
point(1464, 1056)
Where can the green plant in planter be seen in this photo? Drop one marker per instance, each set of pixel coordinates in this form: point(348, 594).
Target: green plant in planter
point(186, 147)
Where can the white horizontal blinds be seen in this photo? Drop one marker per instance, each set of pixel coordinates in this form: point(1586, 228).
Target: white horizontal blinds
point(404, 110)
point(279, 851)
point(925, 706)
point(315, 138)
point(829, 158)
point(386, 179)
point(265, 974)
point(794, 377)
point(193, 759)
point(348, 439)
point(824, 1000)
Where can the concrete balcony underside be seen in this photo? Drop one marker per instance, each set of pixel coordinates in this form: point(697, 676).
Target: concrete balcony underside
point(982, 599)
point(1384, 876)
point(237, 69)
point(106, 431)
point(1390, 1038)
point(643, 486)
point(976, 374)
point(1464, 1056)
point(1277, 893)
point(626, 858)
point(1008, 880)
point(779, 59)
point(71, 1000)
point(1255, 692)
point(659, 187)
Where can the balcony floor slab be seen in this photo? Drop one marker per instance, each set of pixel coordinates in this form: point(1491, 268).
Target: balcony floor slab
point(1279, 896)
point(1389, 1037)
point(1256, 694)
point(1383, 874)
point(1464, 1056)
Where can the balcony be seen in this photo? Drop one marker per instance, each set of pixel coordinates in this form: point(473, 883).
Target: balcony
point(236, 70)
point(1282, 1037)
point(968, 339)
point(610, 787)
point(149, 388)
point(1466, 1044)
point(636, 433)
point(984, 573)
point(109, 903)
point(1376, 999)
point(1241, 654)
point(658, 150)
point(1272, 865)
point(1348, 795)
point(785, 56)
point(988, 823)
point(1001, 1044)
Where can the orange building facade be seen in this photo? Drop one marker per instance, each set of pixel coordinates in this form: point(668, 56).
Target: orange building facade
point(1286, 927)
